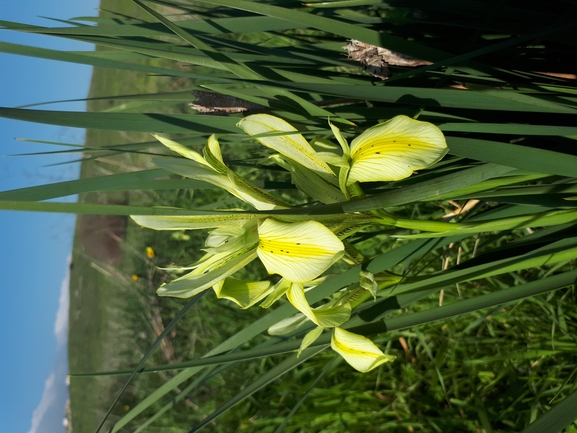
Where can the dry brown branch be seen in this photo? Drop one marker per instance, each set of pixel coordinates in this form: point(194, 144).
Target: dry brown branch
point(376, 60)
point(215, 103)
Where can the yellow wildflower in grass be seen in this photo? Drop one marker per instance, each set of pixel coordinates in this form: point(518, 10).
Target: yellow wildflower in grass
point(135, 277)
point(299, 252)
point(389, 151)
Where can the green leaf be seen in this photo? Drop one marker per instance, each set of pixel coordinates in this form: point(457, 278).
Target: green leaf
point(90, 58)
point(142, 122)
point(513, 155)
point(266, 378)
point(558, 418)
point(137, 369)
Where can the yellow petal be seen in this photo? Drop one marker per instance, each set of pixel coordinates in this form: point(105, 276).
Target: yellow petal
point(238, 186)
point(199, 280)
point(327, 317)
point(300, 252)
point(309, 339)
point(394, 149)
point(291, 145)
point(288, 325)
point(181, 150)
point(278, 291)
point(360, 352)
point(244, 293)
point(211, 169)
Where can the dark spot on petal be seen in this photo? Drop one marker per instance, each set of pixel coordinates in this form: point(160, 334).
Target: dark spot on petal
point(377, 153)
point(298, 243)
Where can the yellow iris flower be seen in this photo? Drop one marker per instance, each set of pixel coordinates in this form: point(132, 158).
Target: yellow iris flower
point(389, 151)
point(393, 150)
point(297, 249)
point(299, 252)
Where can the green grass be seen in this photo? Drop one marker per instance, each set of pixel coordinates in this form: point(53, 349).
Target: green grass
point(100, 336)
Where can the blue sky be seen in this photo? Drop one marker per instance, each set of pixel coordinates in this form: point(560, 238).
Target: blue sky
point(35, 247)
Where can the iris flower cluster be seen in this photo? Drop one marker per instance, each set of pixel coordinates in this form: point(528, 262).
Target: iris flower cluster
point(298, 248)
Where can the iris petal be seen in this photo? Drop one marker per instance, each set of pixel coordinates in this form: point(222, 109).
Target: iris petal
point(328, 317)
point(394, 149)
point(244, 293)
point(360, 352)
point(300, 252)
point(292, 145)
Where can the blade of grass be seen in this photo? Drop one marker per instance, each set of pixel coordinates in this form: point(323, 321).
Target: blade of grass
point(141, 122)
point(387, 260)
point(215, 26)
point(431, 98)
point(532, 288)
point(327, 368)
point(555, 420)
point(513, 155)
point(239, 69)
point(508, 128)
point(268, 377)
point(90, 58)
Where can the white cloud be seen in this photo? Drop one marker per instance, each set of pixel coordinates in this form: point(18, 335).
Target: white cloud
point(48, 397)
point(61, 325)
point(48, 415)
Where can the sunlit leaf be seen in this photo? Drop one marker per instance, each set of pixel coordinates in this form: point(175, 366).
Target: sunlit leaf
point(243, 293)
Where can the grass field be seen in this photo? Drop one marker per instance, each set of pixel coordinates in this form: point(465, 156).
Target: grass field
point(101, 286)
